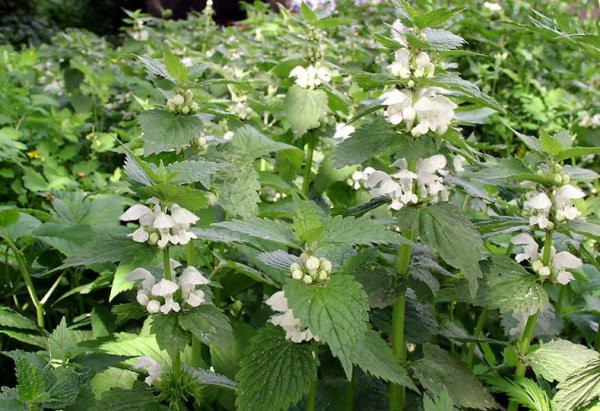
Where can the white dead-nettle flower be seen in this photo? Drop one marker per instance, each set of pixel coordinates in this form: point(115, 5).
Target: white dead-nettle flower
point(492, 6)
point(187, 61)
point(558, 265)
point(406, 187)
point(272, 195)
point(458, 162)
point(343, 131)
point(294, 331)
point(539, 209)
point(432, 111)
point(312, 76)
point(401, 65)
point(311, 269)
point(356, 179)
point(398, 30)
point(152, 366)
point(166, 288)
point(404, 65)
point(228, 136)
point(590, 121)
point(189, 280)
point(158, 227)
point(563, 201)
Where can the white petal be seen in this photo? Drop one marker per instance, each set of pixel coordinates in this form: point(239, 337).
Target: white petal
point(153, 306)
point(278, 302)
point(182, 216)
point(139, 274)
point(564, 277)
point(565, 259)
point(162, 221)
point(540, 201)
point(164, 287)
point(570, 192)
point(135, 212)
point(191, 276)
point(393, 97)
point(140, 235)
point(195, 298)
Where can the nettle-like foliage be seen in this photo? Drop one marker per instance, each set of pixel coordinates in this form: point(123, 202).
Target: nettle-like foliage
point(314, 225)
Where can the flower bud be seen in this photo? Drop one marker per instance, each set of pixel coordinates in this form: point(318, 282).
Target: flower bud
point(294, 267)
point(303, 258)
point(178, 100)
point(550, 225)
point(322, 275)
point(411, 83)
point(560, 215)
point(537, 264)
point(189, 95)
point(558, 178)
point(565, 178)
point(312, 263)
point(540, 172)
point(422, 59)
point(153, 239)
point(194, 106)
point(142, 298)
point(297, 275)
point(326, 266)
point(201, 141)
point(544, 271)
point(153, 306)
point(185, 110)
point(307, 279)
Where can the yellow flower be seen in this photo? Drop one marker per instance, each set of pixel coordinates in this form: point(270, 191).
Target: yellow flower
point(33, 154)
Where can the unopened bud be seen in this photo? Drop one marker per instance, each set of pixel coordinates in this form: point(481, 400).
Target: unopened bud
point(544, 271)
point(326, 266)
point(153, 239)
point(307, 279)
point(189, 95)
point(560, 215)
point(540, 172)
point(550, 225)
point(537, 264)
point(194, 106)
point(297, 275)
point(142, 298)
point(312, 263)
point(565, 178)
point(201, 141)
point(303, 257)
point(185, 110)
point(153, 306)
point(178, 100)
point(558, 178)
point(294, 267)
point(322, 275)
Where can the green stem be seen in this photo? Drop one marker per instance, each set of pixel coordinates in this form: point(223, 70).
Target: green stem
point(525, 341)
point(311, 398)
point(307, 167)
point(167, 263)
point(477, 333)
point(597, 342)
point(398, 392)
point(39, 309)
point(561, 298)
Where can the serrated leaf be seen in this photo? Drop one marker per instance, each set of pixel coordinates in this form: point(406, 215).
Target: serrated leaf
point(164, 131)
point(442, 221)
point(274, 373)
point(304, 108)
point(278, 259)
point(308, 224)
point(555, 144)
point(62, 386)
point(556, 360)
point(238, 189)
point(155, 68)
point(170, 336)
point(254, 144)
point(174, 67)
point(577, 152)
point(375, 357)
point(120, 283)
point(187, 197)
point(368, 140)
point(211, 378)
point(336, 313)
point(440, 39)
point(207, 323)
point(435, 18)
point(9, 216)
point(508, 287)
point(135, 171)
point(261, 228)
point(580, 388)
point(192, 171)
point(12, 319)
point(439, 371)
point(31, 385)
point(137, 398)
point(62, 342)
point(355, 231)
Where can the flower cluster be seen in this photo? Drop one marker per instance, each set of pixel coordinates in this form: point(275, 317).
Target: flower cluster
point(406, 65)
point(153, 367)
point(168, 295)
point(559, 263)
point(294, 331)
point(311, 77)
point(432, 110)
point(541, 207)
point(158, 227)
point(405, 186)
point(182, 103)
point(343, 131)
point(311, 269)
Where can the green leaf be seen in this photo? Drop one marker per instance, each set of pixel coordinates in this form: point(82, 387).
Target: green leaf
point(507, 169)
point(192, 171)
point(577, 152)
point(304, 108)
point(174, 67)
point(443, 402)
point(307, 12)
point(187, 197)
point(580, 388)
point(9, 216)
point(62, 342)
point(355, 231)
point(164, 131)
point(524, 391)
point(439, 371)
point(12, 319)
point(556, 360)
point(62, 386)
point(119, 283)
point(308, 224)
point(557, 143)
point(469, 91)
point(238, 189)
point(435, 18)
point(443, 221)
point(375, 357)
point(170, 336)
point(207, 323)
point(508, 287)
point(262, 228)
point(336, 313)
point(155, 68)
point(440, 39)
point(110, 248)
point(226, 359)
point(368, 140)
point(138, 398)
point(274, 373)
point(254, 144)
point(31, 385)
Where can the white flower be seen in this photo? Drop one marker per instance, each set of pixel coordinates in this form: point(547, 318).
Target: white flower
point(492, 6)
point(192, 277)
point(292, 327)
point(164, 288)
point(153, 367)
point(228, 136)
point(530, 247)
point(140, 235)
point(147, 279)
point(540, 205)
point(458, 162)
point(399, 108)
point(429, 179)
point(434, 111)
point(562, 261)
point(182, 216)
point(135, 212)
point(343, 131)
point(563, 201)
point(400, 66)
point(142, 297)
point(153, 306)
point(311, 76)
point(187, 61)
point(195, 298)
point(398, 30)
point(170, 305)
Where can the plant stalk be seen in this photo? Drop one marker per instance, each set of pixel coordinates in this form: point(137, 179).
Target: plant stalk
point(311, 398)
point(307, 167)
point(196, 343)
point(39, 308)
point(167, 263)
point(398, 392)
point(477, 333)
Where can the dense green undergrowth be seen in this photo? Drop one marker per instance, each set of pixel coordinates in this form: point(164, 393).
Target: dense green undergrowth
point(379, 206)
